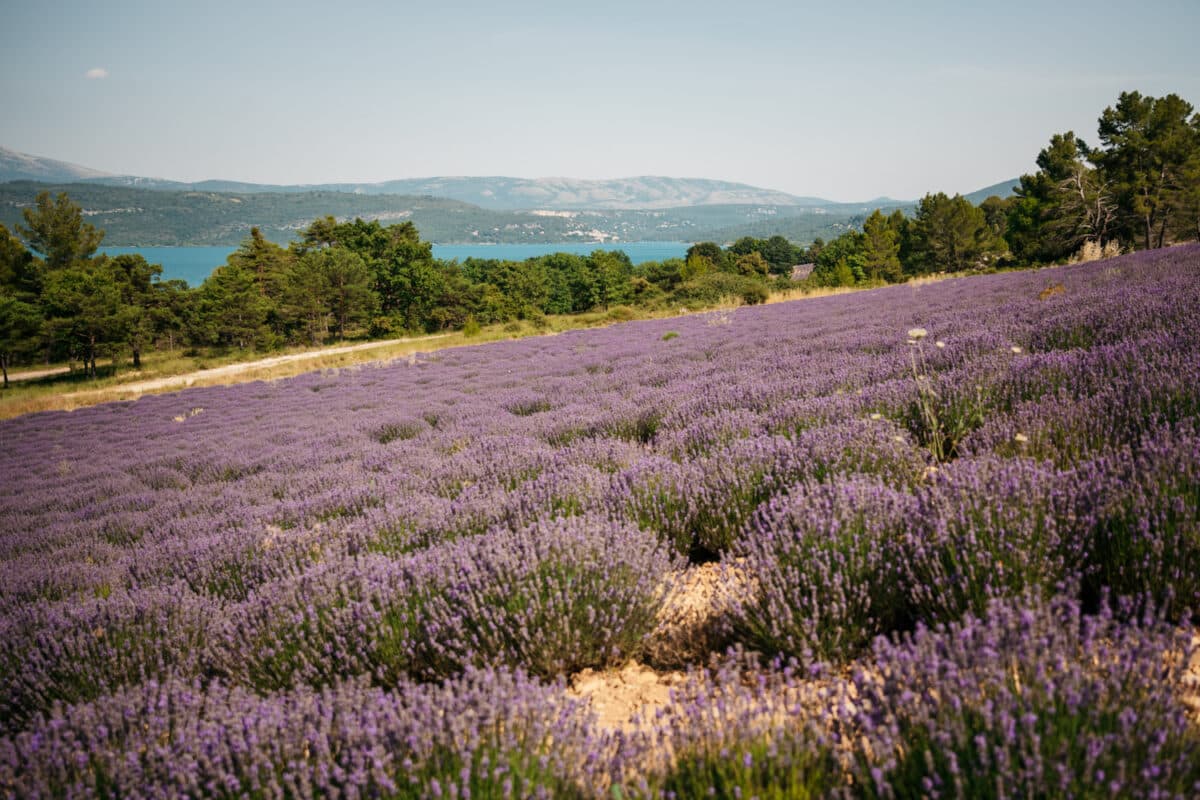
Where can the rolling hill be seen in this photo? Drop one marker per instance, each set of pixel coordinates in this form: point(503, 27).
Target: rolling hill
point(146, 217)
point(152, 211)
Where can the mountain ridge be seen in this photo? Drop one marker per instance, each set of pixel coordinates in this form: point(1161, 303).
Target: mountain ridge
point(496, 192)
point(135, 216)
point(39, 168)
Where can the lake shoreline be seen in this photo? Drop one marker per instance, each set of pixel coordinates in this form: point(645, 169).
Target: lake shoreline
point(194, 264)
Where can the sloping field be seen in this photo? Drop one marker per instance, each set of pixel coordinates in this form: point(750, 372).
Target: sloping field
point(379, 582)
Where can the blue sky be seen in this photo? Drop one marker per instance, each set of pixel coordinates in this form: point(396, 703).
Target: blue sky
point(846, 102)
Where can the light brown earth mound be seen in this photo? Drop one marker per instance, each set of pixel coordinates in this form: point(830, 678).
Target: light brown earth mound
point(691, 625)
point(620, 696)
point(690, 631)
point(1191, 682)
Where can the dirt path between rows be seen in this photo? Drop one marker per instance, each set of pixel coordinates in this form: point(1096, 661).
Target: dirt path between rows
point(189, 378)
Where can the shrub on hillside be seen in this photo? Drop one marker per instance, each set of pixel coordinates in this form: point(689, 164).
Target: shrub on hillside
point(714, 288)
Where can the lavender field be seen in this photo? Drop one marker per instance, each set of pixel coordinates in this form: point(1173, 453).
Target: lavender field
point(957, 527)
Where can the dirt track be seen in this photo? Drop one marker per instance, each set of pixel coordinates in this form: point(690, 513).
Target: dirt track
point(36, 373)
point(189, 378)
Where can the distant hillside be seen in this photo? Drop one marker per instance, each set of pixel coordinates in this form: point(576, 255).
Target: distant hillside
point(145, 217)
point(514, 194)
point(153, 211)
point(572, 193)
point(16, 166)
point(497, 193)
point(137, 216)
point(1002, 189)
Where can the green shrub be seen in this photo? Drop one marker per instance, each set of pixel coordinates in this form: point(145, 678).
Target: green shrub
point(713, 288)
point(620, 314)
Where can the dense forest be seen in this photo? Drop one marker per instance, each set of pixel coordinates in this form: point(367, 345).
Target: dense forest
point(59, 300)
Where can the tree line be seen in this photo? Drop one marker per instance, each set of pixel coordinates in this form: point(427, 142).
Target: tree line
point(1138, 189)
point(62, 300)
point(59, 300)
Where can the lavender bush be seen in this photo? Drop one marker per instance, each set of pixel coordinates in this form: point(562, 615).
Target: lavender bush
point(988, 528)
point(823, 567)
point(484, 734)
point(1035, 699)
point(735, 731)
point(73, 652)
point(337, 621)
point(552, 599)
point(1143, 521)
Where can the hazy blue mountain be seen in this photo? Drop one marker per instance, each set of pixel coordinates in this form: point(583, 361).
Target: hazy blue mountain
point(574, 193)
point(137, 216)
point(139, 211)
point(501, 193)
point(1002, 189)
point(16, 166)
point(496, 193)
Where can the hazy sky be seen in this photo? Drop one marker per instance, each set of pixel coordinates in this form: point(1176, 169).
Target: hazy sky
point(844, 101)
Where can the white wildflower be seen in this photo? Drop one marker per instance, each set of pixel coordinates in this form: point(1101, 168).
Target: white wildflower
point(939, 344)
point(1020, 438)
point(917, 333)
point(1015, 349)
point(877, 415)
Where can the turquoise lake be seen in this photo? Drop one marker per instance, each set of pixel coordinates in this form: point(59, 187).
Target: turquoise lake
point(194, 264)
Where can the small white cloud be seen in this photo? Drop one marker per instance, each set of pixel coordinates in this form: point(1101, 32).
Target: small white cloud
point(96, 74)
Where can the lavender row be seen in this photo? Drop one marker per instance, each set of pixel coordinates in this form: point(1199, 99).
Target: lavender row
point(828, 567)
point(484, 734)
point(550, 599)
point(1034, 698)
point(632, 388)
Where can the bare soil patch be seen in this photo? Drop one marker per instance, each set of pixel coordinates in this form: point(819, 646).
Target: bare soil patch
point(621, 696)
point(690, 632)
point(1191, 682)
point(691, 625)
